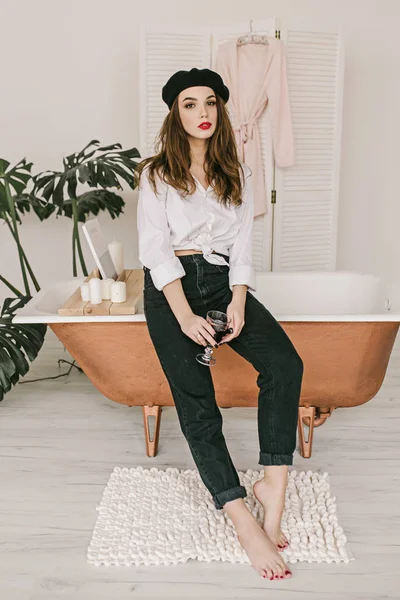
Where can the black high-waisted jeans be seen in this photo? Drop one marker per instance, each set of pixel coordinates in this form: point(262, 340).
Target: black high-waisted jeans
point(262, 341)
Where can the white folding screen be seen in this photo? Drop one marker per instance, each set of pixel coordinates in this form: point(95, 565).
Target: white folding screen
point(299, 230)
point(305, 215)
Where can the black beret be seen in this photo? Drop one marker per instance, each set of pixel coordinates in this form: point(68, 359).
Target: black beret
point(184, 79)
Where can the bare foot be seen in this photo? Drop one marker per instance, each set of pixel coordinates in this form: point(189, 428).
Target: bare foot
point(272, 498)
point(261, 551)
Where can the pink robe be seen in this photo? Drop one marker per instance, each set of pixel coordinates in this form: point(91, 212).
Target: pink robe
point(256, 76)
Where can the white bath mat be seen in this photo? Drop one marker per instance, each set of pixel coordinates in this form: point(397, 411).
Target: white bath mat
point(163, 517)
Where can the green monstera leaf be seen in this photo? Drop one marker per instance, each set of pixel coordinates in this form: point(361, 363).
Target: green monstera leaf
point(18, 342)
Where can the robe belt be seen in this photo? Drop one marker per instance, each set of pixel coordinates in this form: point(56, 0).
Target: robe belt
point(246, 131)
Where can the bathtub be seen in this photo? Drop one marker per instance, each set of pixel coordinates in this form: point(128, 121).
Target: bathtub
point(343, 325)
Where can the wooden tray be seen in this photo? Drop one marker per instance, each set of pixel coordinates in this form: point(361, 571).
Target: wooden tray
point(134, 279)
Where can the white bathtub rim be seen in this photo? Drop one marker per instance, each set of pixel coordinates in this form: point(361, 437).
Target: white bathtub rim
point(47, 318)
point(30, 313)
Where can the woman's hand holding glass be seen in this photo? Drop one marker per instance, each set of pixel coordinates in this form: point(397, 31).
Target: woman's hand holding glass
point(220, 321)
point(235, 313)
point(198, 329)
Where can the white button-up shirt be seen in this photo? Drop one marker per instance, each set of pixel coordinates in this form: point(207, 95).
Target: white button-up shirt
point(167, 222)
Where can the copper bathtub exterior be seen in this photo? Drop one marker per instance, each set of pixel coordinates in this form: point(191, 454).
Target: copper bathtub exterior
point(344, 365)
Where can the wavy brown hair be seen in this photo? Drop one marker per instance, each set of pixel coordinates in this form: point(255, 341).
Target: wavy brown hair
point(172, 161)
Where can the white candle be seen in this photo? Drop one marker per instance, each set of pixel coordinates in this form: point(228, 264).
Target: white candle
point(117, 254)
point(118, 291)
point(106, 288)
point(85, 292)
point(95, 290)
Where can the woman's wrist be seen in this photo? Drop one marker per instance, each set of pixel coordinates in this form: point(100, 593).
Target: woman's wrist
point(239, 293)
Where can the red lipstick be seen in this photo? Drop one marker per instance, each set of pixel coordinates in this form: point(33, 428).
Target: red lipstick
point(205, 125)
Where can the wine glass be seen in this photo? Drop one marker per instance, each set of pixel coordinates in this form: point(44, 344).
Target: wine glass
point(219, 320)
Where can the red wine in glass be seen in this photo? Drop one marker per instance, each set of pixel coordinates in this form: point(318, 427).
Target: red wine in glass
point(219, 320)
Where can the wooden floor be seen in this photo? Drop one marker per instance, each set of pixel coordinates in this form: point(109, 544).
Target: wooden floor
point(60, 439)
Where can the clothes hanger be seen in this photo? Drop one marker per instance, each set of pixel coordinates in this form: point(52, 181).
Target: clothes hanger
point(252, 38)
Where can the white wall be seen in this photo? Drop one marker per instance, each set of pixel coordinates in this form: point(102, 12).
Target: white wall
point(69, 75)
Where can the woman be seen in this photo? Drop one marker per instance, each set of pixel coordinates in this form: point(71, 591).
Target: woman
point(195, 218)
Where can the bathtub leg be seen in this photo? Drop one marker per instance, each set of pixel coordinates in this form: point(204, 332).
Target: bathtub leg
point(308, 414)
point(152, 445)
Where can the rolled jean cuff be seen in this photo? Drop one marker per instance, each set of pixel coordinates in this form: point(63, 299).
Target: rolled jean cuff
point(275, 459)
point(223, 497)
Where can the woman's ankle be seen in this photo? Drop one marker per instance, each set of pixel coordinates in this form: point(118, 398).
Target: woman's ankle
point(238, 513)
point(276, 473)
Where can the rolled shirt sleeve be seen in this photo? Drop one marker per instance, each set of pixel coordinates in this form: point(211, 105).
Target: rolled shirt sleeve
point(155, 249)
point(241, 271)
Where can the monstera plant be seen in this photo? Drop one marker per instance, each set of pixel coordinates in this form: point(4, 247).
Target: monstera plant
point(53, 191)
